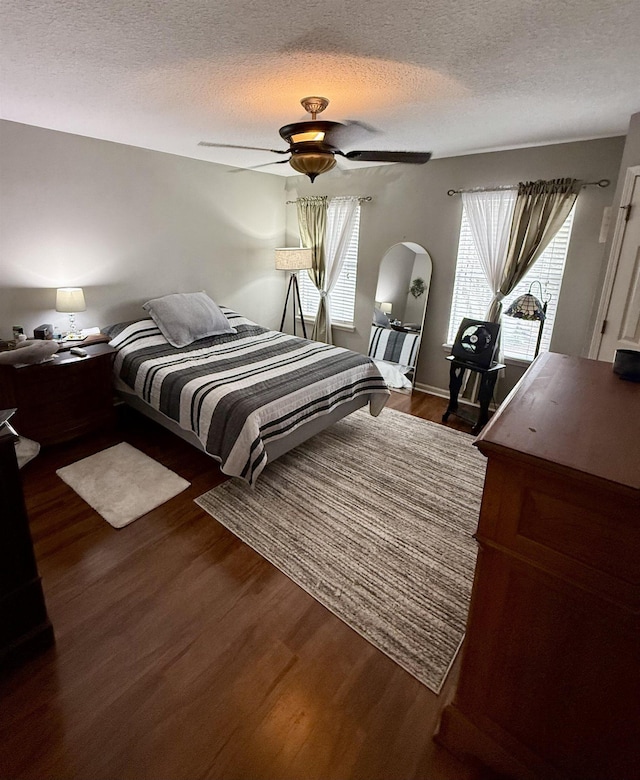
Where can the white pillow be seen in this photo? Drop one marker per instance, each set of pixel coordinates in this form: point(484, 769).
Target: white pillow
point(186, 317)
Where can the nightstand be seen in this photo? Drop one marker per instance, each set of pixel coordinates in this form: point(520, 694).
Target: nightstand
point(405, 328)
point(62, 399)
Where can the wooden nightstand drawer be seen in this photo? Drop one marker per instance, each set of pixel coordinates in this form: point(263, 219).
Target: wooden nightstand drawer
point(62, 399)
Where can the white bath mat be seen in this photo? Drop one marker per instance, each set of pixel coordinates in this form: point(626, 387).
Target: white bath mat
point(121, 483)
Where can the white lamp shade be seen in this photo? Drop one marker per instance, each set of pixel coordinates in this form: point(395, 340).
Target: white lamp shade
point(386, 307)
point(70, 300)
point(295, 259)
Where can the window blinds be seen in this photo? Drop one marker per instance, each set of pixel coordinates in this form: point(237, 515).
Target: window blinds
point(472, 296)
point(342, 298)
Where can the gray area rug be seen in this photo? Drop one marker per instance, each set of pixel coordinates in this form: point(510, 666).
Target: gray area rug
point(121, 483)
point(374, 518)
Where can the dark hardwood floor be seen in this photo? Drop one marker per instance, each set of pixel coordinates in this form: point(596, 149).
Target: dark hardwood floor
point(181, 653)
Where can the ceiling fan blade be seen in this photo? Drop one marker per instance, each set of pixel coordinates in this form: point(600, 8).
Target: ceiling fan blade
point(236, 146)
point(361, 126)
point(266, 165)
point(353, 128)
point(351, 132)
point(415, 158)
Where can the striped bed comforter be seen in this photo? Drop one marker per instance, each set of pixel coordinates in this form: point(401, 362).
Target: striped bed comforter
point(239, 391)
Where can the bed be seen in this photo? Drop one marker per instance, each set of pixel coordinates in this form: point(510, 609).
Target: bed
point(244, 396)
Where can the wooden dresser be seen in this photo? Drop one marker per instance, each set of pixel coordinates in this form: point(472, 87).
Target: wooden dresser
point(550, 675)
point(24, 624)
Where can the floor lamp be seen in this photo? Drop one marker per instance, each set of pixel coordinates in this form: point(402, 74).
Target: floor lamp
point(293, 260)
point(528, 307)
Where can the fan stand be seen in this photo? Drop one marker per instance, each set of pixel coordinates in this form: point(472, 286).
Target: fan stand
point(293, 283)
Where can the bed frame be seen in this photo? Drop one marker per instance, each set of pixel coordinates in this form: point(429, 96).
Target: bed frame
point(275, 448)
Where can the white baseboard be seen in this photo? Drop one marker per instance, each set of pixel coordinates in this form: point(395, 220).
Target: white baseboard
point(431, 390)
point(441, 393)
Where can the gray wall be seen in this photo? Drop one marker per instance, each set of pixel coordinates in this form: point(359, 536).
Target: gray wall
point(411, 204)
point(631, 153)
point(127, 224)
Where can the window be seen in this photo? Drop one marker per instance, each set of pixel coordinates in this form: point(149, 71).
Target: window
point(472, 296)
point(342, 298)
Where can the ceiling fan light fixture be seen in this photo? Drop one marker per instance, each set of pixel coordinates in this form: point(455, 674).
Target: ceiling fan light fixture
point(308, 132)
point(313, 135)
point(312, 164)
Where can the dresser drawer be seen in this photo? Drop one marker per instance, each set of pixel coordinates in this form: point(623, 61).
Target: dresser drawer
point(589, 532)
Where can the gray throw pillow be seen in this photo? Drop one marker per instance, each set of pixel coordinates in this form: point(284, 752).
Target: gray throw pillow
point(380, 319)
point(186, 317)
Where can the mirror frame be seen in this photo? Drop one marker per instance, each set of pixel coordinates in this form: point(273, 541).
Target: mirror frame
point(418, 251)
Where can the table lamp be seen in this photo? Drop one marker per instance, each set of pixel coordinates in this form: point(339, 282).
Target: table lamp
point(71, 300)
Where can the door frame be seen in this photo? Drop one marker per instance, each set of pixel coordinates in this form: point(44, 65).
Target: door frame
point(614, 257)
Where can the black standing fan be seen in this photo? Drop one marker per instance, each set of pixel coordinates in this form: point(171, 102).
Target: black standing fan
point(476, 342)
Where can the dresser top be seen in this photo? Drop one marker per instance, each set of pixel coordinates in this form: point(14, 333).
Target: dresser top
point(575, 413)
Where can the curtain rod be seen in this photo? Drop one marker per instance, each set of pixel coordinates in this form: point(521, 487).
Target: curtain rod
point(362, 198)
point(601, 183)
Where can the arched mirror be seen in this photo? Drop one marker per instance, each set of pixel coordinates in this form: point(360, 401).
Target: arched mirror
point(399, 311)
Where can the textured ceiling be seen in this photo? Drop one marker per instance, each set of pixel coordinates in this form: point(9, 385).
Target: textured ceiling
point(439, 75)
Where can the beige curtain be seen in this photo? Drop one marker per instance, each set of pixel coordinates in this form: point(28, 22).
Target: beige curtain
point(540, 210)
point(312, 222)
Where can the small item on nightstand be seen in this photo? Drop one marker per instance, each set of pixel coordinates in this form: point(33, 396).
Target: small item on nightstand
point(43, 332)
point(627, 364)
point(84, 334)
point(78, 351)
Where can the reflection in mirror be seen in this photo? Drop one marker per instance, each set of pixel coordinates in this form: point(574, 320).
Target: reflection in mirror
point(399, 312)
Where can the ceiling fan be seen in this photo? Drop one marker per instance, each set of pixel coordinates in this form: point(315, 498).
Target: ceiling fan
point(311, 148)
